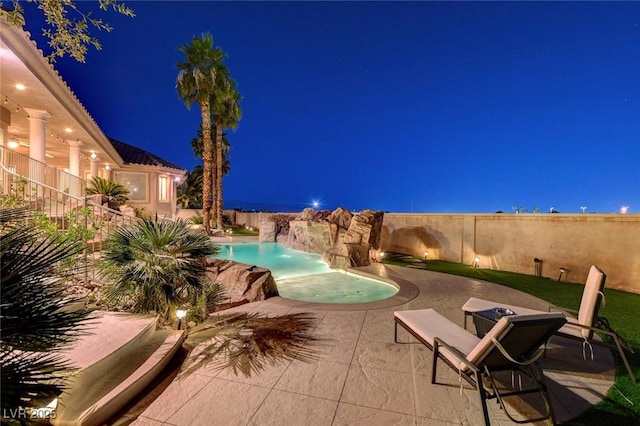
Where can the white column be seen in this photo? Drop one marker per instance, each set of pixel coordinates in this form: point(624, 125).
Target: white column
point(94, 163)
point(5, 121)
point(74, 166)
point(74, 157)
point(37, 133)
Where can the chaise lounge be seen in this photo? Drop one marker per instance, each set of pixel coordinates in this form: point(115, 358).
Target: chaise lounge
point(514, 343)
point(581, 327)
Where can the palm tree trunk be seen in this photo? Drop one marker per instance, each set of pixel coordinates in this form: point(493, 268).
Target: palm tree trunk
point(207, 157)
point(219, 174)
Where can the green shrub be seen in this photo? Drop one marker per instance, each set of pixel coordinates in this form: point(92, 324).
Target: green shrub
point(108, 188)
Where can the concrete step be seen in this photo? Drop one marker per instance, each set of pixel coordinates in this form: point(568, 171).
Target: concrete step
point(115, 371)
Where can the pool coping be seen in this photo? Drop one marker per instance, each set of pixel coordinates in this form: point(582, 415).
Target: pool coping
point(407, 291)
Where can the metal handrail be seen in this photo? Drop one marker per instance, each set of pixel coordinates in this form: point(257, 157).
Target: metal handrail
point(64, 210)
point(27, 166)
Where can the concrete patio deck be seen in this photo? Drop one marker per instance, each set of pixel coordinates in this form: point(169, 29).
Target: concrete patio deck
point(363, 377)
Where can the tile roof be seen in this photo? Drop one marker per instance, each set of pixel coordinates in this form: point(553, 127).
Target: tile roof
point(134, 155)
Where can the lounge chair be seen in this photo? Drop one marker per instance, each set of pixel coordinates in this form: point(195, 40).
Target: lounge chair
point(581, 327)
point(514, 343)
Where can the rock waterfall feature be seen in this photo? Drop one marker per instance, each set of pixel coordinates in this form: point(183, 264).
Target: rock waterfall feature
point(344, 239)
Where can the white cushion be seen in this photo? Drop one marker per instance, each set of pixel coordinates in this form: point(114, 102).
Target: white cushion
point(429, 324)
point(590, 295)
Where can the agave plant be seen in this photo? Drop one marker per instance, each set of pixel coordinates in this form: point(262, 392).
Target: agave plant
point(156, 265)
point(106, 187)
point(37, 316)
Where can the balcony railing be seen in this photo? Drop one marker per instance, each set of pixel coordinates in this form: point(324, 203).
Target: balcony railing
point(43, 173)
point(55, 210)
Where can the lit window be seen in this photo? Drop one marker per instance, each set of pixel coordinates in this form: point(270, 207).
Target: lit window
point(163, 189)
point(136, 183)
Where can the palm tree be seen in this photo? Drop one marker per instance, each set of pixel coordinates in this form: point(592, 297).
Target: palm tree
point(38, 318)
point(227, 114)
point(156, 265)
point(190, 191)
point(197, 145)
point(196, 83)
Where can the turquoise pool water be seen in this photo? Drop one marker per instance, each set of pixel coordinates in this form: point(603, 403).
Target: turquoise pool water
point(305, 276)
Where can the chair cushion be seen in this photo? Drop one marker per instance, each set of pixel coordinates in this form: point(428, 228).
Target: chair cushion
point(506, 324)
point(429, 324)
point(589, 303)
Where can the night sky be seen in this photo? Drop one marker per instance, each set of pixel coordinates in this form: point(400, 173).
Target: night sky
point(419, 106)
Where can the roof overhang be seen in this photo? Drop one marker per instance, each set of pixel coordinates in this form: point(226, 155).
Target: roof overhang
point(22, 62)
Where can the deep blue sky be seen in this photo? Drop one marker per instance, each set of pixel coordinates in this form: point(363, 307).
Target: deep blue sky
point(418, 106)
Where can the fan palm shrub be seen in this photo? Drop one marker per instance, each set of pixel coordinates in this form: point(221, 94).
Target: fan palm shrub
point(156, 265)
point(37, 315)
point(116, 191)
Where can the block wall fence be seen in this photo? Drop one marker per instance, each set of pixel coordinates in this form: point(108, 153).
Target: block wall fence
point(510, 242)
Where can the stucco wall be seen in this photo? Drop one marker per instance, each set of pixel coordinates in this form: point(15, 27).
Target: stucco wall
point(511, 241)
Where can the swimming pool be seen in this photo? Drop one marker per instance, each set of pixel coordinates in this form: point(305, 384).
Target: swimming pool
point(305, 276)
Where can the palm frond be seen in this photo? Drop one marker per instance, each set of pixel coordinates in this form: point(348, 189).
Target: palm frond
point(108, 188)
point(247, 343)
point(37, 317)
point(153, 265)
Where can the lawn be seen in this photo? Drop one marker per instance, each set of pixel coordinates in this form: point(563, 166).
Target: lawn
point(622, 309)
point(243, 232)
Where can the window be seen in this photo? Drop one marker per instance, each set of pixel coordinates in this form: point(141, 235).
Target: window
point(136, 183)
point(163, 189)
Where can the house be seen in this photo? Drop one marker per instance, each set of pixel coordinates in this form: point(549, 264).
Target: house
point(47, 135)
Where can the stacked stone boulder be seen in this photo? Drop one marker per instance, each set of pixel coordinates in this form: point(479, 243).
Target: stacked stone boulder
point(344, 239)
point(354, 247)
point(240, 283)
point(268, 232)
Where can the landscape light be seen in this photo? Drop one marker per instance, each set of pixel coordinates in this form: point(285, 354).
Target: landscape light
point(426, 254)
point(180, 313)
point(476, 262)
point(624, 209)
point(562, 272)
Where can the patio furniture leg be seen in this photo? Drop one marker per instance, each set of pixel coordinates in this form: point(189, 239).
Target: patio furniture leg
point(624, 357)
point(395, 331)
point(483, 399)
point(434, 365)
